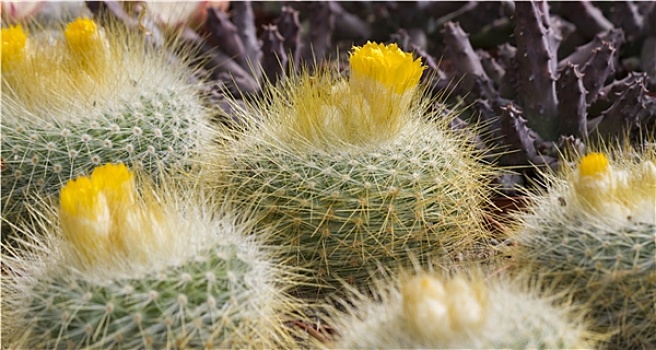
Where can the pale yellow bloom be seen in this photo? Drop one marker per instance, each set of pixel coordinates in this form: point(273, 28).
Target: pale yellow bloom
point(438, 310)
point(14, 40)
point(617, 192)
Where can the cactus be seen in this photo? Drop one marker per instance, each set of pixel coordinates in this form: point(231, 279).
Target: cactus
point(594, 233)
point(350, 173)
point(430, 311)
point(158, 269)
point(115, 100)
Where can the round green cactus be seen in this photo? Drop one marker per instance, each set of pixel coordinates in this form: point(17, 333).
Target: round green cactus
point(353, 174)
point(429, 311)
point(594, 233)
point(78, 99)
point(157, 270)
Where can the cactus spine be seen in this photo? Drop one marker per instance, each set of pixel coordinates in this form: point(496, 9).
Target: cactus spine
point(78, 98)
point(594, 232)
point(142, 271)
point(429, 311)
point(351, 173)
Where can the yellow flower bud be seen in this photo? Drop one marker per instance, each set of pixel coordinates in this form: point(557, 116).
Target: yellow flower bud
point(386, 64)
point(13, 44)
point(86, 45)
point(81, 35)
point(80, 198)
point(117, 183)
point(594, 164)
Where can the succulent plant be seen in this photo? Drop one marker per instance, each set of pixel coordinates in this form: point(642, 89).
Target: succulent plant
point(542, 78)
point(594, 233)
point(430, 311)
point(78, 98)
point(350, 173)
point(136, 267)
point(539, 97)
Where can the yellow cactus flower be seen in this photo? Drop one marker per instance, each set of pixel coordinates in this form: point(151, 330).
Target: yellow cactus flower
point(386, 64)
point(81, 34)
point(80, 198)
point(594, 164)
point(105, 223)
point(102, 219)
point(86, 43)
point(369, 108)
point(594, 180)
point(94, 209)
point(14, 40)
point(117, 183)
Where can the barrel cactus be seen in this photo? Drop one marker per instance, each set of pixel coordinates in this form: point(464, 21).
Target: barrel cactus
point(594, 232)
point(351, 173)
point(81, 96)
point(155, 270)
point(430, 311)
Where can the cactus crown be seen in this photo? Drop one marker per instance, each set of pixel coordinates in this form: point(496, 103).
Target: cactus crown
point(93, 68)
point(14, 39)
point(92, 209)
point(432, 310)
point(436, 309)
point(106, 223)
point(387, 64)
point(323, 112)
point(612, 188)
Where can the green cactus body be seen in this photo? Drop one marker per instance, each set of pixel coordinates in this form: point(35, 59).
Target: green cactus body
point(155, 134)
point(355, 175)
point(342, 213)
point(432, 312)
point(61, 116)
point(596, 237)
point(206, 302)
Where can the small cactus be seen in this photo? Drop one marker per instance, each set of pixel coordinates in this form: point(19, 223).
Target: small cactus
point(150, 270)
point(594, 233)
point(86, 96)
point(351, 174)
point(429, 311)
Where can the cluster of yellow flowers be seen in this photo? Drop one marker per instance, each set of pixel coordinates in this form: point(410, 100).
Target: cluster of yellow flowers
point(437, 310)
point(375, 103)
point(34, 66)
point(102, 218)
point(83, 39)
